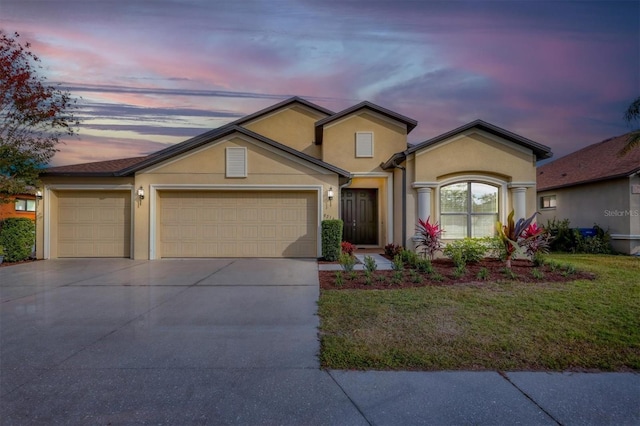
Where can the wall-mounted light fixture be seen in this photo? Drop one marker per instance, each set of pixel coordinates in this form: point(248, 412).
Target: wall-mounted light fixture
point(330, 193)
point(38, 195)
point(140, 193)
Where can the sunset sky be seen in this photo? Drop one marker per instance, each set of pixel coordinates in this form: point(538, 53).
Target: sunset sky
point(152, 73)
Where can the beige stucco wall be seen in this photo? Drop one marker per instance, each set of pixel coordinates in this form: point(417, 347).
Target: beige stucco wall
point(473, 156)
point(293, 126)
point(267, 168)
point(609, 204)
point(339, 141)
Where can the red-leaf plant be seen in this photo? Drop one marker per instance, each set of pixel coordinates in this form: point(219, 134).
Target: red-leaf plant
point(348, 248)
point(428, 237)
point(518, 234)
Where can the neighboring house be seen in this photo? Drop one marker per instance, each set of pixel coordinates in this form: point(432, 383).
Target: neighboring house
point(261, 185)
point(595, 185)
point(22, 205)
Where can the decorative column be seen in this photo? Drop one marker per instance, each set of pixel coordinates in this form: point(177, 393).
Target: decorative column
point(519, 196)
point(424, 203)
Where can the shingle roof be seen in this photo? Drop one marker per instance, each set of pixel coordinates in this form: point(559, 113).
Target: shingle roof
point(409, 122)
point(128, 166)
point(600, 161)
point(99, 168)
point(540, 151)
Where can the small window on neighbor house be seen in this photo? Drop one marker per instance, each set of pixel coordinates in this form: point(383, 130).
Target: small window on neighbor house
point(364, 144)
point(548, 202)
point(25, 205)
point(236, 162)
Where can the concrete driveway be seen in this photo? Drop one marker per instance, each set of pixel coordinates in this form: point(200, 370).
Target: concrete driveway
point(235, 342)
point(170, 341)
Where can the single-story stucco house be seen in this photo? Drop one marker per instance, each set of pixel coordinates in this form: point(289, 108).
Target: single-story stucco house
point(261, 186)
point(595, 185)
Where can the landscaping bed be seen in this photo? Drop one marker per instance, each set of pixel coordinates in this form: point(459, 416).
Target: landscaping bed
point(446, 273)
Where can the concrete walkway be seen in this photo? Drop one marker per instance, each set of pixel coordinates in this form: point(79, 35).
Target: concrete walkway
point(230, 341)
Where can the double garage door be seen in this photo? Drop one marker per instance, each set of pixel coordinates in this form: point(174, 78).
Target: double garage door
point(238, 224)
point(192, 224)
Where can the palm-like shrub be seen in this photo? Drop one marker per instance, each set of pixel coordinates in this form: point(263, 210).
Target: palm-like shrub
point(428, 237)
point(517, 234)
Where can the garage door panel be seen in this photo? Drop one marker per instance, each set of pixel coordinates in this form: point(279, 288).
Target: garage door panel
point(238, 224)
point(94, 224)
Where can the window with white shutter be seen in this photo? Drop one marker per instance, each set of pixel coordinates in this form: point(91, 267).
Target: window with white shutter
point(236, 162)
point(364, 144)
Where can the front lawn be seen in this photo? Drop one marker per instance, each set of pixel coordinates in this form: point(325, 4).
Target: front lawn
point(576, 325)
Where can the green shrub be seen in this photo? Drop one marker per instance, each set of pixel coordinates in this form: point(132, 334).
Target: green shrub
point(468, 250)
point(412, 258)
point(331, 238)
point(483, 274)
point(339, 279)
point(17, 236)
point(347, 262)
point(370, 264)
point(537, 274)
point(570, 240)
point(424, 266)
point(495, 247)
point(397, 263)
point(562, 237)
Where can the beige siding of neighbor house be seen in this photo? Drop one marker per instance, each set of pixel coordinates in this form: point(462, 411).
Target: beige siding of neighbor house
point(610, 204)
point(293, 126)
point(339, 142)
point(203, 169)
point(472, 156)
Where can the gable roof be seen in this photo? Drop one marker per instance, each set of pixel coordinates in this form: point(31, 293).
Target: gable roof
point(593, 163)
point(409, 122)
point(540, 151)
point(129, 166)
point(280, 105)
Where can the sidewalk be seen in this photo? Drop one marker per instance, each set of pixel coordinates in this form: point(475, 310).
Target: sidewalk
point(492, 398)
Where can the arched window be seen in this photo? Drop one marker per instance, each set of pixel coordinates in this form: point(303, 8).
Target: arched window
point(468, 209)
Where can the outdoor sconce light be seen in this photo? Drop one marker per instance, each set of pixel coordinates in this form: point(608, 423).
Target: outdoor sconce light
point(140, 193)
point(330, 193)
point(38, 195)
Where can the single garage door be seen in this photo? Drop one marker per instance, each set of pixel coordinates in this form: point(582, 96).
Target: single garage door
point(238, 224)
point(94, 224)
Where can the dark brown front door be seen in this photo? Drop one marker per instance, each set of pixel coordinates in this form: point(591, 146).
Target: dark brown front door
point(360, 215)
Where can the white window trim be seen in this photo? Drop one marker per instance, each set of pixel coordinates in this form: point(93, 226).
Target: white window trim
point(232, 155)
point(500, 184)
point(358, 155)
point(550, 197)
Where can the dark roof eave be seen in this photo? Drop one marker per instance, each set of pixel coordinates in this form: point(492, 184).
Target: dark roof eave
point(408, 122)
point(541, 151)
point(292, 100)
point(80, 174)
point(211, 136)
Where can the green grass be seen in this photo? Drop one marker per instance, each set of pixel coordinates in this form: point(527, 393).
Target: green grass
point(579, 325)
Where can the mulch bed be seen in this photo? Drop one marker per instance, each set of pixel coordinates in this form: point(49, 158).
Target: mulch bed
point(495, 272)
point(5, 264)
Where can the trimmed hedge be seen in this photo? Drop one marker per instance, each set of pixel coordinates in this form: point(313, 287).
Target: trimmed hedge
point(331, 239)
point(17, 236)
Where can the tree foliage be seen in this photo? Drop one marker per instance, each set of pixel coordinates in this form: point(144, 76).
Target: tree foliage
point(33, 117)
point(632, 114)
